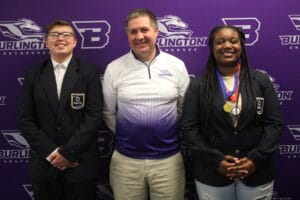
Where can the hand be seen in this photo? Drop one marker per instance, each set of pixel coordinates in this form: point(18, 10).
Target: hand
point(60, 162)
point(243, 167)
point(73, 165)
point(228, 162)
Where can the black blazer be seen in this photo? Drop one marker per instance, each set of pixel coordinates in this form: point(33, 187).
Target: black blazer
point(256, 136)
point(70, 123)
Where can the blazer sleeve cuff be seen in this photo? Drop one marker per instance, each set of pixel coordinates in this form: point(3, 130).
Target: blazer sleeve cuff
point(259, 159)
point(70, 156)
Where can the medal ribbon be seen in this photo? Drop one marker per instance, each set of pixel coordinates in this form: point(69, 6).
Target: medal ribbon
point(231, 95)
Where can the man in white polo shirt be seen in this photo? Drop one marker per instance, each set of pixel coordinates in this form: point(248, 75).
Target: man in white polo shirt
point(143, 94)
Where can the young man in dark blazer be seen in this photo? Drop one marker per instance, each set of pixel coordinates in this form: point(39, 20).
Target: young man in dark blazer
point(59, 114)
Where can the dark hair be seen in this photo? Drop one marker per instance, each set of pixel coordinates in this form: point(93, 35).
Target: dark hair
point(211, 83)
point(58, 22)
point(141, 12)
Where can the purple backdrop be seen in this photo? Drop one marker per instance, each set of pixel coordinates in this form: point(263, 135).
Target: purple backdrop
point(273, 41)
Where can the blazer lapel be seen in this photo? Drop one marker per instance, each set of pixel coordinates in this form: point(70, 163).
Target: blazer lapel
point(69, 81)
point(243, 116)
point(220, 103)
point(49, 84)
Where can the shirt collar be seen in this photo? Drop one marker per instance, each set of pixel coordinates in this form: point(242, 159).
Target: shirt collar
point(65, 64)
point(156, 53)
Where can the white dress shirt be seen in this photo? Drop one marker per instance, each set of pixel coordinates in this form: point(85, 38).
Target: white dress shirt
point(59, 71)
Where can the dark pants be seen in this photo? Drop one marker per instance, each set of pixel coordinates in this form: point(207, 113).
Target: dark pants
point(61, 189)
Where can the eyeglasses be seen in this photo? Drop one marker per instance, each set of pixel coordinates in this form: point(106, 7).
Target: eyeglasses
point(65, 35)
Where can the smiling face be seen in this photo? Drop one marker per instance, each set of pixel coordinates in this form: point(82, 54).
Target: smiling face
point(227, 47)
point(142, 37)
point(60, 46)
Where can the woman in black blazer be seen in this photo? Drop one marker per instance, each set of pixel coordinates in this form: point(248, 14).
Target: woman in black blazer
point(232, 123)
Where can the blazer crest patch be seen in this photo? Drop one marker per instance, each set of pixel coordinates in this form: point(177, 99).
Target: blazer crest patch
point(260, 105)
point(77, 100)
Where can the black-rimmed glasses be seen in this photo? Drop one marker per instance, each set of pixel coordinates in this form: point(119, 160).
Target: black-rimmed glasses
point(65, 35)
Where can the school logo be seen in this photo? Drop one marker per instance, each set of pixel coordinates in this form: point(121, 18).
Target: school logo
point(260, 105)
point(20, 80)
point(174, 34)
point(292, 41)
point(295, 19)
point(77, 100)
point(16, 150)
point(22, 36)
point(283, 95)
point(28, 189)
point(164, 72)
point(14, 138)
point(292, 150)
point(173, 26)
point(94, 34)
point(2, 100)
point(25, 37)
point(295, 131)
point(249, 25)
point(192, 75)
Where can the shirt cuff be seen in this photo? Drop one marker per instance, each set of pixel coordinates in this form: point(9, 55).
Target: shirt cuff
point(49, 156)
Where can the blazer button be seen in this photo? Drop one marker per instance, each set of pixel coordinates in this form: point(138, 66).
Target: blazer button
point(59, 128)
point(235, 132)
point(237, 151)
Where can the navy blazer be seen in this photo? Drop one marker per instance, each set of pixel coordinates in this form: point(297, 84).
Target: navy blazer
point(256, 136)
point(70, 123)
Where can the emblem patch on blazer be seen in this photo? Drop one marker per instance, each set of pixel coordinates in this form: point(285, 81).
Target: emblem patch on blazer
point(77, 100)
point(260, 105)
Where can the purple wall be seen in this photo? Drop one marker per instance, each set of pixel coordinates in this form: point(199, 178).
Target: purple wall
point(273, 37)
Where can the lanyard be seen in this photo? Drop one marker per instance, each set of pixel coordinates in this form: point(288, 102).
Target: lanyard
point(231, 95)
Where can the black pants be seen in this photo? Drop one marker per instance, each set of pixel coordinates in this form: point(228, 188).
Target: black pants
point(61, 189)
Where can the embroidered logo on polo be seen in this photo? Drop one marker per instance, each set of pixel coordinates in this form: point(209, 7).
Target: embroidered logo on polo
point(175, 35)
point(292, 41)
point(77, 100)
point(249, 25)
point(165, 72)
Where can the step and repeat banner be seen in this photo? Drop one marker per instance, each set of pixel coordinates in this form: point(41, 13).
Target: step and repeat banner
point(273, 42)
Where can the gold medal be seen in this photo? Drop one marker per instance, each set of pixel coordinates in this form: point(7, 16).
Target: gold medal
point(227, 107)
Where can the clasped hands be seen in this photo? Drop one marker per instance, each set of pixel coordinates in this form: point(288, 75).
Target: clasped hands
point(60, 162)
point(235, 168)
